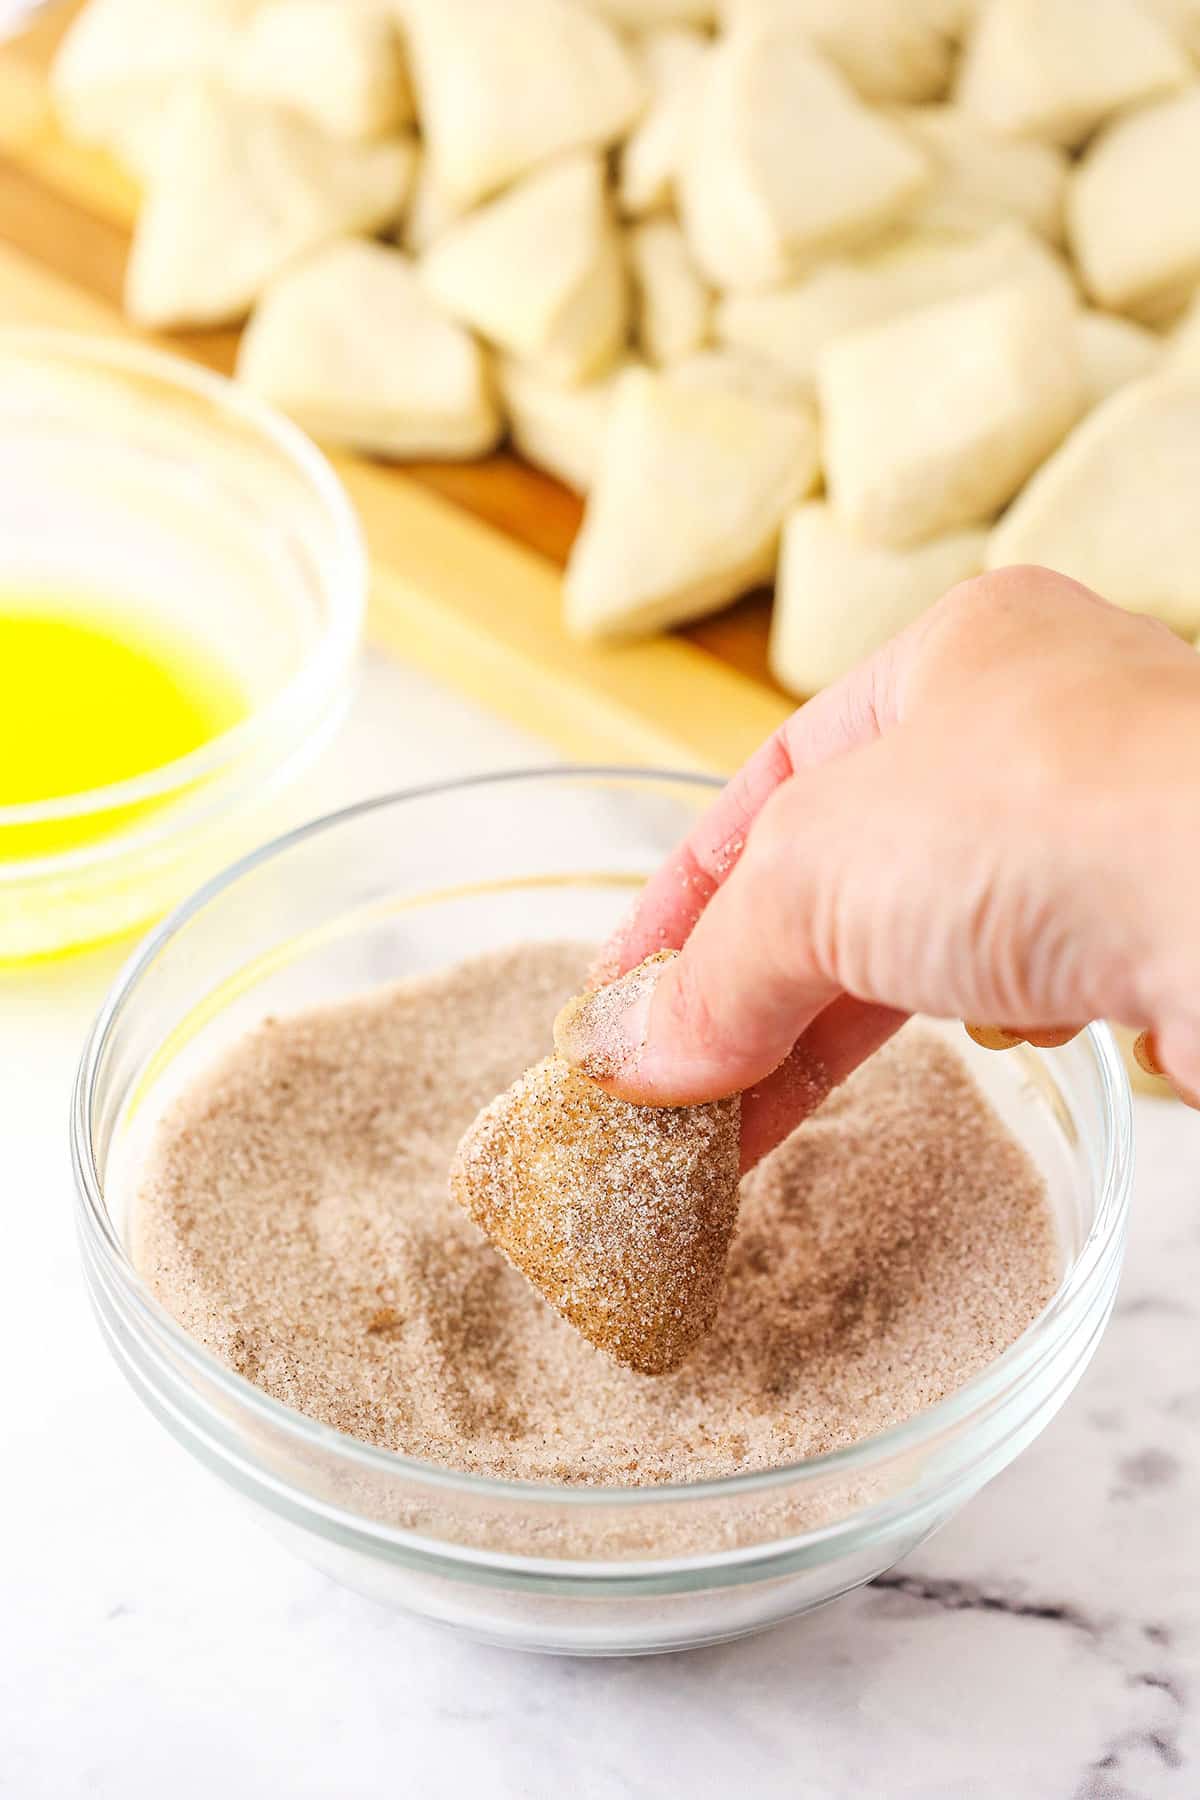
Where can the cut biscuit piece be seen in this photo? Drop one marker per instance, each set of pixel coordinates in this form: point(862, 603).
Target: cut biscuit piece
point(1115, 507)
point(981, 179)
point(340, 62)
point(900, 50)
point(502, 88)
point(1132, 214)
point(1114, 351)
point(690, 491)
point(934, 420)
point(1182, 20)
point(350, 344)
point(745, 373)
point(837, 599)
point(120, 60)
point(649, 158)
point(557, 427)
point(1181, 349)
point(792, 325)
point(1057, 69)
point(673, 302)
point(539, 271)
point(430, 210)
point(239, 191)
point(621, 1216)
point(782, 161)
point(644, 15)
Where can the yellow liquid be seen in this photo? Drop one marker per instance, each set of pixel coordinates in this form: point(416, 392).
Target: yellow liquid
point(88, 698)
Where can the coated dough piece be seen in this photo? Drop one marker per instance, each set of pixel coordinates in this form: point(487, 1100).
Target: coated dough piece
point(120, 60)
point(340, 62)
point(1116, 506)
point(782, 161)
point(239, 191)
point(1114, 351)
point(649, 158)
point(690, 491)
point(887, 49)
point(981, 179)
point(539, 270)
point(1132, 211)
point(792, 325)
point(621, 1216)
point(501, 88)
point(935, 419)
point(674, 306)
point(557, 427)
point(838, 599)
point(1058, 68)
point(350, 344)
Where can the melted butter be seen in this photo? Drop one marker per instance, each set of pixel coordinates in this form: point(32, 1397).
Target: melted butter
point(88, 698)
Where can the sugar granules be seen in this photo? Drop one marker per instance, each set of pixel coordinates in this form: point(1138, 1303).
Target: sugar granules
point(293, 1214)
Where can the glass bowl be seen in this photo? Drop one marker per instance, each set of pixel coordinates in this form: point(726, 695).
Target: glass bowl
point(133, 477)
point(407, 884)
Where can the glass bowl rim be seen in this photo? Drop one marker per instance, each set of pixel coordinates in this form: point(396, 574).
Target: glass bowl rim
point(1005, 1372)
point(345, 588)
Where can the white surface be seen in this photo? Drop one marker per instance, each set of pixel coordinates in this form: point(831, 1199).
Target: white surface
point(155, 1644)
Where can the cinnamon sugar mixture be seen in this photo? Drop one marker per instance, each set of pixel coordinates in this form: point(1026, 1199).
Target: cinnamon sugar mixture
point(294, 1216)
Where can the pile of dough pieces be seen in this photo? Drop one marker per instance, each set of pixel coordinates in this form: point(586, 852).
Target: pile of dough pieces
point(861, 295)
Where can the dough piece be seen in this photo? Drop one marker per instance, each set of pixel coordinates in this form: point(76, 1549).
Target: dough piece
point(350, 344)
point(1182, 20)
point(1182, 347)
point(1114, 351)
point(886, 49)
point(782, 161)
point(747, 374)
point(501, 88)
point(981, 179)
point(674, 307)
point(120, 60)
point(430, 210)
point(934, 420)
point(1116, 506)
point(792, 325)
point(650, 156)
point(643, 15)
point(241, 190)
point(1058, 68)
point(837, 598)
point(621, 1216)
point(340, 62)
point(556, 427)
point(1132, 212)
point(539, 271)
point(690, 491)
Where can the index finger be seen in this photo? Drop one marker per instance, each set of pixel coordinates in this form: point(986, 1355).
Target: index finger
point(852, 712)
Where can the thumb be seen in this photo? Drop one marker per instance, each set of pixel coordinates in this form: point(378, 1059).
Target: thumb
point(723, 1013)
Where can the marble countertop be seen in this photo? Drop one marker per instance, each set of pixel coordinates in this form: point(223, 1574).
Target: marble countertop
point(156, 1645)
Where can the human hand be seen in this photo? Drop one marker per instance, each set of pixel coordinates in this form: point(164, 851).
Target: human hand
point(996, 817)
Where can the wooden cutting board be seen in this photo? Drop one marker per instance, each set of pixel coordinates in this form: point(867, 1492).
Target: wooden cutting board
point(466, 558)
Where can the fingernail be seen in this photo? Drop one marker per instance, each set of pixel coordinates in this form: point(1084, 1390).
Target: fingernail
point(604, 1030)
point(1054, 1038)
point(993, 1037)
point(1145, 1053)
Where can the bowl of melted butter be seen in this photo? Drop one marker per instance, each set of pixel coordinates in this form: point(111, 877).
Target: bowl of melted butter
point(182, 586)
